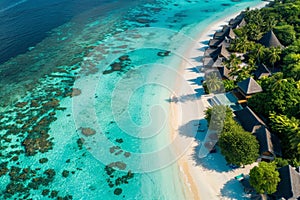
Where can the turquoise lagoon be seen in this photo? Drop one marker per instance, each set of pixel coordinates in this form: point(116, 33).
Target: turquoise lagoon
point(127, 109)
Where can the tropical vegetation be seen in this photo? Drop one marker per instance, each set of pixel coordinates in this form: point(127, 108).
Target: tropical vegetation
point(264, 178)
point(238, 146)
point(279, 103)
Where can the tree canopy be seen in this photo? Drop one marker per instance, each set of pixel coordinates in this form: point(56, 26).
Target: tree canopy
point(280, 95)
point(264, 178)
point(288, 130)
point(238, 146)
point(216, 116)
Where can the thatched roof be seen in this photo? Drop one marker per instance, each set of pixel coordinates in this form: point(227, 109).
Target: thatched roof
point(214, 53)
point(219, 35)
point(249, 86)
point(214, 42)
point(226, 32)
point(268, 142)
point(209, 52)
point(261, 71)
point(269, 39)
point(237, 22)
point(248, 119)
point(225, 72)
point(222, 51)
point(218, 63)
point(208, 61)
point(231, 34)
point(242, 23)
point(289, 185)
point(212, 62)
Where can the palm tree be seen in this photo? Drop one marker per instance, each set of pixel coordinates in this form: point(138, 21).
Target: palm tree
point(258, 52)
point(278, 85)
point(254, 31)
point(232, 62)
point(214, 83)
point(274, 55)
point(240, 44)
point(244, 73)
point(270, 23)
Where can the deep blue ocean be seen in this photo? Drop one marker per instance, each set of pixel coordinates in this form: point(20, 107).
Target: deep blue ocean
point(24, 23)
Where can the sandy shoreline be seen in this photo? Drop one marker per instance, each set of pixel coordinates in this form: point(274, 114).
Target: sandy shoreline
point(201, 182)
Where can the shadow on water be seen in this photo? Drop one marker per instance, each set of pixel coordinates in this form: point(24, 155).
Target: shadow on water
point(233, 190)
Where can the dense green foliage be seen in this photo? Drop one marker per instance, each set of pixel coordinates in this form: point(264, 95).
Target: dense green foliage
point(279, 102)
point(213, 83)
point(280, 162)
point(228, 85)
point(238, 146)
point(285, 33)
point(288, 130)
point(281, 95)
point(217, 115)
point(264, 178)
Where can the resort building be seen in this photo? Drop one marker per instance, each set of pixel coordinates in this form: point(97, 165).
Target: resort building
point(246, 89)
point(238, 22)
point(269, 144)
point(221, 51)
point(223, 37)
point(225, 73)
point(248, 119)
point(214, 57)
point(289, 185)
point(215, 43)
point(261, 71)
point(269, 39)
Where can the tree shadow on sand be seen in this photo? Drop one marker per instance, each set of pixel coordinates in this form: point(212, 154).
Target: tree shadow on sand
point(194, 128)
point(205, 42)
point(197, 129)
point(233, 190)
point(194, 69)
point(184, 98)
point(198, 58)
point(212, 161)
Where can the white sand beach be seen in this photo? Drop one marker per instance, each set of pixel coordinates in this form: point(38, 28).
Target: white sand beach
point(208, 177)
